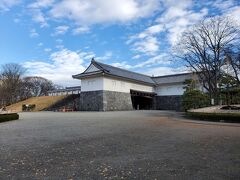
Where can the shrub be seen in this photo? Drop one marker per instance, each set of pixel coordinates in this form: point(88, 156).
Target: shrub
point(28, 107)
point(8, 117)
point(193, 99)
point(232, 96)
point(232, 117)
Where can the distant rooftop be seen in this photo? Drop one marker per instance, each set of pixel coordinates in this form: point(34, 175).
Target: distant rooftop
point(67, 89)
point(74, 88)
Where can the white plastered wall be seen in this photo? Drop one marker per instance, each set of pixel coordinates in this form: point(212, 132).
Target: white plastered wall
point(174, 89)
point(168, 90)
point(92, 84)
point(110, 84)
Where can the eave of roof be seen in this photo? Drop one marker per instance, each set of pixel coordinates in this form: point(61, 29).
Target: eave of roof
point(170, 75)
point(88, 74)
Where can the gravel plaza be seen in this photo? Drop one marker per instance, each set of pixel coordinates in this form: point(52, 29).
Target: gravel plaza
point(117, 145)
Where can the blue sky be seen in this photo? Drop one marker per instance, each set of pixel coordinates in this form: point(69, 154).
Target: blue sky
point(57, 38)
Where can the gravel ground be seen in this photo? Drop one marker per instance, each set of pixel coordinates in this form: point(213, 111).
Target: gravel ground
point(117, 145)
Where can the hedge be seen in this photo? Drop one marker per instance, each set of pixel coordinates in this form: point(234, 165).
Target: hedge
point(8, 117)
point(231, 117)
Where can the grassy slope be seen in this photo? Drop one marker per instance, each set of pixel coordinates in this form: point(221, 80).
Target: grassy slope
point(41, 102)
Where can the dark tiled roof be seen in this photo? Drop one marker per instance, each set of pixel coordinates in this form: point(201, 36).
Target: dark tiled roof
point(111, 70)
point(114, 71)
point(175, 78)
point(118, 72)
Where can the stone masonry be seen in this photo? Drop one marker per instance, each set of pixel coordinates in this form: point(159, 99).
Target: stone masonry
point(91, 101)
point(168, 102)
point(116, 101)
point(104, 101)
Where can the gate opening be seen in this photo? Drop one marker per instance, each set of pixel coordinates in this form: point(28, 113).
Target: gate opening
point(142, 100)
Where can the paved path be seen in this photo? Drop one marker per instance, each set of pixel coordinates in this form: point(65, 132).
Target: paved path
point(117, 145)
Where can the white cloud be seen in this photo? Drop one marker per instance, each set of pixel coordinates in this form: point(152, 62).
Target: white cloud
point(223, 4)
point(177, 24)
point(61, 30)
point(87, 55)
point(59, 44)
point(145, 42)
point(36, 9)
point(157, 71)
point(33, 33)
point(47, 49)
point(122, 64)
point(154, 29)
point(161, 71)
point(101, 11)
point(178, 17)
point(39, 17)
point(136, 56)
point(5, 5)
point(85, 12)
point(173, 20)
point(149, 45)
point(107, 55)
point(156, 60)
point(80, 30)
point(59, 41)
point(63, 64)
point(234, 13)
point(41, 4)
point(161, 59)
point(230, 8)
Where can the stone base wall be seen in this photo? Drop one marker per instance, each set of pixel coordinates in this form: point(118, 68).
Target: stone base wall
point(91, 101)
point(116, 101)
point(104, 101)
point(168, 103)
point(113, 101)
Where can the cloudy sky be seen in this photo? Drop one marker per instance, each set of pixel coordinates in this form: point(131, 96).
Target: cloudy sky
point(57, 38)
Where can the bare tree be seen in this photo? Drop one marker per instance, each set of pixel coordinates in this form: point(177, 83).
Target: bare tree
point(10, 79)
point(37, 86)
point(233, 62)
point(202, 49)
point(14, 87)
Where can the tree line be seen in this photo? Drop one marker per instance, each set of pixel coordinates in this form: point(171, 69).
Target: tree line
point(211, 48)
point(15, 86)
